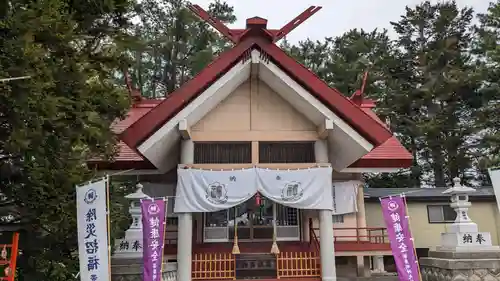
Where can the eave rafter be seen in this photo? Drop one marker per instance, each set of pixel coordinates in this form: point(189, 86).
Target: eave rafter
point(325, 128)
point(184, 129)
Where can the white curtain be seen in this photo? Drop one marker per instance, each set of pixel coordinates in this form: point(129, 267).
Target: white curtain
point(301, 189)
point(344, 197)
point(211, 191)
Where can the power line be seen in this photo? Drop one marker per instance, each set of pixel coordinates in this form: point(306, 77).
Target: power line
point(14, 78)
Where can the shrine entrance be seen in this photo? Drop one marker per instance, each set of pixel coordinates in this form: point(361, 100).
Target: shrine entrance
point(254, 222)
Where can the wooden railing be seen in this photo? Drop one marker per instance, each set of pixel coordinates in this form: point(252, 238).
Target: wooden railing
point(213, 266)
point(375, 235)
point(298, 264)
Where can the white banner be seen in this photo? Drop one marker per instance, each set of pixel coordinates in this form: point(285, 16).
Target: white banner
point(210, 191)
point(344, 197)
point(495, 181)
point(92, 224)
point(301, 189)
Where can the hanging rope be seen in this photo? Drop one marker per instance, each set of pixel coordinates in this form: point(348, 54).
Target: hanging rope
point(274, 248)
point(236, 248)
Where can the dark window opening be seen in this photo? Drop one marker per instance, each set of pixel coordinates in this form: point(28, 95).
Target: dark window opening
point(422, 252)
point(441, 214)
point(286, 152)
point(222, 153)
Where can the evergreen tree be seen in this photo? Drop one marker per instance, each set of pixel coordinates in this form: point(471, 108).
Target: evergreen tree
point(172, 44)
point(342, 62)
point(58, 118)
point(435, 40)
point(488, 52)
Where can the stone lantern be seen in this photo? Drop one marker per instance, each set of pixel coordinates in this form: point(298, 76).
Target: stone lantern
point(127, 261)
point(131, 245)
point(463, 234)
point(465, 253)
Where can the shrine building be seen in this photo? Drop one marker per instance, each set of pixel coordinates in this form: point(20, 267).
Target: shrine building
point(262, 162)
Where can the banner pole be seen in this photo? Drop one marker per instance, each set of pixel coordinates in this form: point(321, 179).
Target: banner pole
point(413, 238)
point(164, 236)
point(108, 214)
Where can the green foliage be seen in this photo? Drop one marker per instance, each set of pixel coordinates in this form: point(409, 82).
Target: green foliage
point(435, 40)
point(487, 47)
point(436, 81)
point(51, 123)
point(172, 44)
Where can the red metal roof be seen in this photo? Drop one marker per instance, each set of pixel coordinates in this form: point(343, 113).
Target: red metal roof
point(148, 115)
point(389, 154)
point(332, 98)
point(126, 157)
point(135, 113)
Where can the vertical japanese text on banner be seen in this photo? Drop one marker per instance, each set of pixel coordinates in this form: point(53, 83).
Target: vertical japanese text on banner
point(92, 231)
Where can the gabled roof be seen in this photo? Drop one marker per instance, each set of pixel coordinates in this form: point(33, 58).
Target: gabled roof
point(142, 129)
point(364, 124)
point(390, 154)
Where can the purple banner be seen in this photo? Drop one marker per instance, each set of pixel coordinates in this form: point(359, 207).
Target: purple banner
point(153, 232)
point(398, 231)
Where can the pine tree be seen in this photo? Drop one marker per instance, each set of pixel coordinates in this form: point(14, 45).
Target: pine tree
point(488, 52)
point(435, 40)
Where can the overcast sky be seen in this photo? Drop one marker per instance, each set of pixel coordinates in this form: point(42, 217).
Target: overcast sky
point(336, 17)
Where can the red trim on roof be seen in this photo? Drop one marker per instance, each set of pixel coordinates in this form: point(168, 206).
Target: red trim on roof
point(331, 97)
point(353, 115)
point(391, 154)
point(134, 114)
point(176, 101)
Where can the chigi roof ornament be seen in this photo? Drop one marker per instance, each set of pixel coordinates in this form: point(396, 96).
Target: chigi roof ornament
point(255, 24)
